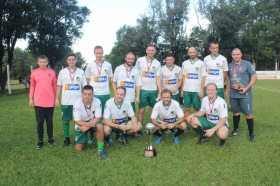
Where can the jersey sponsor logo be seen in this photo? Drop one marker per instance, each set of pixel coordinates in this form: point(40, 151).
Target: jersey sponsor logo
point(119, 121)
point(170, 81)
point(99, 79)
point(213, 117)
point(214, 72)
point(169, 120)
point(72, 87)
point(127, 84)
point(191, 76)
point(148, 74)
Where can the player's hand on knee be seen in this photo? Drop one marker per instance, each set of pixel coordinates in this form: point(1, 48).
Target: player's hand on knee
point(209, 132)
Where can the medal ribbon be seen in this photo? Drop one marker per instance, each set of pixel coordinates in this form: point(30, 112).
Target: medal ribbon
point(128, 72)
point(99, 69)
point(88, 109)
point(149, 66)
point(211, 108)
point(70, 74)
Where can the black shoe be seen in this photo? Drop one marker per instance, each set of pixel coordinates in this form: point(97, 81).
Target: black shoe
point(51, 143)
point(234, 133)
point(39, 145)
point(108, 144)
point(124, 141)
point(222, 143)
point(66, 142)
point(252, 138)
point(202, 140)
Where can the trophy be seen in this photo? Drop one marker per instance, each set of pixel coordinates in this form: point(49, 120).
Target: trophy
point(150, 151)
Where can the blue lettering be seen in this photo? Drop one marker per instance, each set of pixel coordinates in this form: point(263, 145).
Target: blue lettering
point(214, 72)
point(192, 76)
point(213, 117)
point(128, 84)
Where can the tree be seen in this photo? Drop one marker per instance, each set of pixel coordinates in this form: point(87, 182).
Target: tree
point(16, 20)
point(58, 25)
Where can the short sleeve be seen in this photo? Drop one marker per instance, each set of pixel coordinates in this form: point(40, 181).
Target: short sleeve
point(98, 109)
point(203, 70)
point(130, 111)
point(59, 79)
point(179, 111)
point(202, 109)
point(87, 71)
point(223, 110)
point(138, 79)
point(107, 113)
point(155, 113)
point(251, 69)
point(225, 65)
point(115, 76)
point(110, 71)
point(84, 81)
point(76, 112)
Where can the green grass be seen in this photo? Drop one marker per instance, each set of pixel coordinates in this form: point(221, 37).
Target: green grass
point(240, 163)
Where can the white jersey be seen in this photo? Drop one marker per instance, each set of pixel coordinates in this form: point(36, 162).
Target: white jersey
point(148, 71)
point(192, 74)
point(170, 77)
point(216, 110)
point(71, 84)
point(99, 77)
point(117, 114)
point(83, 112)
point(214, 70)
point(169, 114)
point(128, 79)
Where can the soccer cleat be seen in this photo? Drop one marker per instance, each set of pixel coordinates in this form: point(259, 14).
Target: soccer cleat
point(158, 139)
point(103, 154)
point(124, 141)
point(66, 142)
point(39, 145)
point(176, 140)
point(51, 143)
point(252, 138)
point(234, 133)
point(90, 141)
point(222, 143)
point(202, 140)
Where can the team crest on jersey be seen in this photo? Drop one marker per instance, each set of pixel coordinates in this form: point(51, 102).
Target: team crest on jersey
point(106, 71)
point(78, 79)
point(124, 112)
point(93, 112)
point(133, 77)
point(154, 69)
point(173, 113)
point(197, 69)
point(215, 110)
point(176, 74)
point(218, 65)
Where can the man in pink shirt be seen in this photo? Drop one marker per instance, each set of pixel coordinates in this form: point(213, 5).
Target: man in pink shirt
point(42, 97)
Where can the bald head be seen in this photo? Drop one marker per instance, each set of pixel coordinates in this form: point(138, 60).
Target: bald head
point(236, 55)
point(192, 52)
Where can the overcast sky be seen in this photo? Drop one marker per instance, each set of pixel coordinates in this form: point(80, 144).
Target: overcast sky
point(106, 17)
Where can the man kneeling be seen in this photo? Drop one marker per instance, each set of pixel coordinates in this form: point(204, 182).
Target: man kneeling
point(168, 115)
point(87, 114)
point(215, 121)
point(116, 115)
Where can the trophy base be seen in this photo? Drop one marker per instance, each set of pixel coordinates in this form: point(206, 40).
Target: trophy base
point(150, 152)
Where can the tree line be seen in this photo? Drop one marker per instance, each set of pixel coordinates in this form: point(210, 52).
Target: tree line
point(252, 25)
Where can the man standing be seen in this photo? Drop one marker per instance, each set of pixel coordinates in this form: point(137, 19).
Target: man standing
point(242, 76)
point(98, 75)
point(127, 76)
point(215, 109)
point(116, 114)
point(69, 83)
point(149, 69)
point(168, 115)
point(193, 82)
point(171, 76)
point(216, 67)
point(87, 114)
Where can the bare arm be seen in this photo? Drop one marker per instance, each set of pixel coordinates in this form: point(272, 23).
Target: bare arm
point(110, 124)
point(158, 80)
point(114, 86)
point(58, 91)
point(137, 99)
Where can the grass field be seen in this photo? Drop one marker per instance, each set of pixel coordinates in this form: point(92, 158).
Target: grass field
point(240, 163)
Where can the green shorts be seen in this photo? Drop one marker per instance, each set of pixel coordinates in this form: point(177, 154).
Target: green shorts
point(103, 99)
point(220, 92)
point(147, 98)
point(192, 99)
point(176, 97)
point(133, 106)
point(67, 112)
point(205, 124)
point(81, 137)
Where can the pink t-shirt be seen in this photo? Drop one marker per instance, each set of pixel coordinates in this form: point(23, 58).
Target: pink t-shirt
point(43, 87)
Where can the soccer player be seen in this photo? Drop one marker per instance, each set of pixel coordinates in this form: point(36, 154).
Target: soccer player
point(98, 75)
point(242, 76)
point(42, 97)
point(116, 114)
point(87, 114)
point(216, 68)
point(171, 76)
point(149, 68)
point(69, 83)
point(127, 76)
point(215, 109)
point(193, 82)
point(168, 115)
